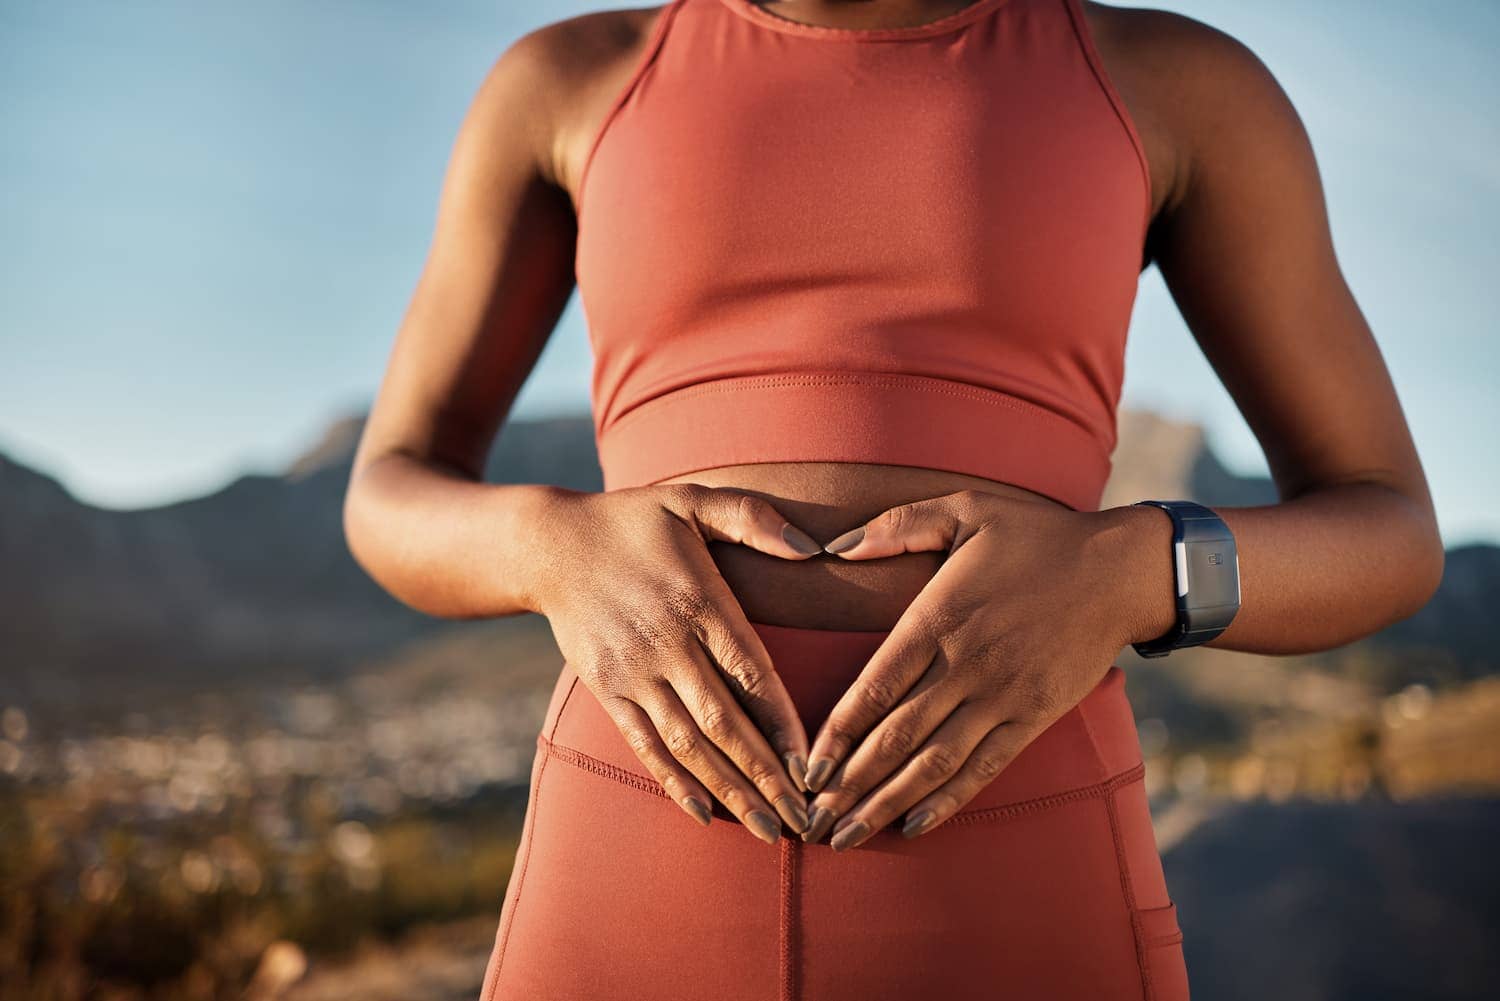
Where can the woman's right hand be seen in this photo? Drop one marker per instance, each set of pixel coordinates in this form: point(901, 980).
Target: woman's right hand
point(640, 611)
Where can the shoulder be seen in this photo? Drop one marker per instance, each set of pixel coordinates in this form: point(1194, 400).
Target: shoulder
point(556, 73)
point(1198, 90)
point(1179, 47)
point(585, 40)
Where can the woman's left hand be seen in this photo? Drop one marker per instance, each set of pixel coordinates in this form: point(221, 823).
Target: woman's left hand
point(1022, 620)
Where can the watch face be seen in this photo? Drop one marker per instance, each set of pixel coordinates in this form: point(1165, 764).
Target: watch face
point(1213, 573)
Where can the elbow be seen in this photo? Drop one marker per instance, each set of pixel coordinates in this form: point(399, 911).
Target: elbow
point(372, 540)
point(363, 541)
point(370, 555)
point(1423, 568)
point(350, 524)
point(357, 538)
point(1428, 577)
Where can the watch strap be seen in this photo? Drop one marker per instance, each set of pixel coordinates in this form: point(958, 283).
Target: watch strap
point(1206, 573)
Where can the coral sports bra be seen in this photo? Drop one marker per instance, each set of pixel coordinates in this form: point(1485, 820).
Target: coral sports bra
point(917, 246)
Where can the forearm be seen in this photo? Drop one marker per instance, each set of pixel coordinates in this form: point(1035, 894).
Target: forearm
point(1317, 571)
point(444, 543)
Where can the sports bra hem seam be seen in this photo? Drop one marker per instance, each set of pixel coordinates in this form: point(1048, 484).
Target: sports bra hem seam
point(922, 383)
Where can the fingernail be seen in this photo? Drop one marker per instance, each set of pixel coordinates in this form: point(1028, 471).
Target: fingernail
point(800, 540)
point(763, 826)
point(818, 774)
point(698, 810)
point(796, 767)
point(794, 810)
point(822, 820)
point(845, 838)
point(917, 823)
point(848, 540)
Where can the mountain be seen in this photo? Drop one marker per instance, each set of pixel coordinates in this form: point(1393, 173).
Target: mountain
point(255, 580)
point(1162, 458)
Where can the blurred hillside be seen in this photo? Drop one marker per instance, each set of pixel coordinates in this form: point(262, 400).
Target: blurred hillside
point(256, 579)
point(228, 758)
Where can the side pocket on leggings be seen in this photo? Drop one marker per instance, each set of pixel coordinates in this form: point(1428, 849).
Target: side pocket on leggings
point(1152, 909)
point(1161, 948)
point(1159, 926)
point(1142, 861)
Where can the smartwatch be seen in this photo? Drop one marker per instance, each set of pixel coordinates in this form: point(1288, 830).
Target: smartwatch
point(1207, 573)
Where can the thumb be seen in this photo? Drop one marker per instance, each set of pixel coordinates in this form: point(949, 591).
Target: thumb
point(725, 514)
point(921, 526)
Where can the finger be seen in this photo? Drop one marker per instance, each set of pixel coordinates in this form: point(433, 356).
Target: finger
point(642, 736)
point(887, 747)
point(935, 524)
point(897, 664)
point(933, 764)
point(728, 515)
point(984, 765)
point(725, 723)
point(687, 744)
point(744, 665)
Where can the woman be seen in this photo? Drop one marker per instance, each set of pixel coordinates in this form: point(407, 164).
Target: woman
point(858, 278)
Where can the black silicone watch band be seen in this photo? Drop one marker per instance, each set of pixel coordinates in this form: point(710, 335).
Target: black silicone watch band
point(1206, 572)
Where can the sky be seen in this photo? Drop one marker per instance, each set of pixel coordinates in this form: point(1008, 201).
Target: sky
point(213, 215)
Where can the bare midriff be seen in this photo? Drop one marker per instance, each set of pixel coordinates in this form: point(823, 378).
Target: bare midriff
point(826, 499)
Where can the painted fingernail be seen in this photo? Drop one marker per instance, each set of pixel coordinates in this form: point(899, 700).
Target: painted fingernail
point(846, 541)
point(800, 540)
point(698, 810)
point(796, 767)
point(794, 810)
point(822, 820)
point(818, 774)
point(917, 823)
point(763, 826)
point(845, 838)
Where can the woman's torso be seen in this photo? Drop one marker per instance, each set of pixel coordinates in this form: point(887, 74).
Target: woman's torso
point(823, 498)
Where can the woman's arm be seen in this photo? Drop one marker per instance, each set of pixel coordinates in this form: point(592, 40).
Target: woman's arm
point(1242, 240)
point(417, 515)
point(624, 578)
point(1007, 637)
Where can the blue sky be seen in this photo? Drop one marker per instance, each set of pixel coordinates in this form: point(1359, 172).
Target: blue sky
point(212, 217)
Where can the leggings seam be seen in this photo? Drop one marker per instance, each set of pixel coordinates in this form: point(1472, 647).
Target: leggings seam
point(589, 763)
point(788, 920)
point(557, 720)
point(490, 988)
point(1088, 730)
point(1122, 861)
point(1097, 789)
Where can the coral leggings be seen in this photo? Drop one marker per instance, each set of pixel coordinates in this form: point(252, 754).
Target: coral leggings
point(1046, 887)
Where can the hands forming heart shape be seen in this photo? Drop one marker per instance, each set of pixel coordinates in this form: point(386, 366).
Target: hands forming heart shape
point(1022, 620)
